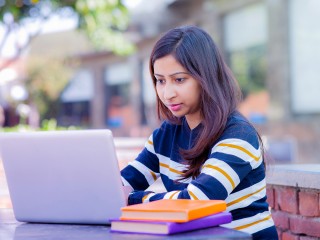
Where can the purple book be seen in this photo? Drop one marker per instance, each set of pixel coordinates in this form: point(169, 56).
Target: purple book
point(166, 228)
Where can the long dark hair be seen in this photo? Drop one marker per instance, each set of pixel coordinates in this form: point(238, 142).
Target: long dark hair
point(196, 51)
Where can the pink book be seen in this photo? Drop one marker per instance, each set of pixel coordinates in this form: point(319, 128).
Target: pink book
point(166, 228)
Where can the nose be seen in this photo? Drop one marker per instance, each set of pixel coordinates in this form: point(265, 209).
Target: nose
point(169, 91)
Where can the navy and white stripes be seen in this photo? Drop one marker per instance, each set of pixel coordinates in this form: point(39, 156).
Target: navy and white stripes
point(234, 172)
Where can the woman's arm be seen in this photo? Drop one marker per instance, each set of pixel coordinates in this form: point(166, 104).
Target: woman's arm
point(230, 161)
point(144, 171)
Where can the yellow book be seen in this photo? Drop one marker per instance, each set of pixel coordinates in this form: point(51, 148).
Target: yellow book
point(173, 210)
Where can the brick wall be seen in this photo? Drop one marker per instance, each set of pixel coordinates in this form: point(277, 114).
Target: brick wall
point(295, 211)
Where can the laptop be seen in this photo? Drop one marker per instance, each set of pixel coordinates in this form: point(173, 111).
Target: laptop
point(63, 176)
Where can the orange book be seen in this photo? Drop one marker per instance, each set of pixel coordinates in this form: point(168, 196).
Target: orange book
point(173, 210)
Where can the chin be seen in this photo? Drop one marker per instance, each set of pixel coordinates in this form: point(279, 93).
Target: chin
point(178, 115)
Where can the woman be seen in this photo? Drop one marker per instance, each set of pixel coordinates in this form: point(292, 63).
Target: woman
point(204, 148)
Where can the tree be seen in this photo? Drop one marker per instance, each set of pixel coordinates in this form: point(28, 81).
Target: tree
point(102, 20)
point(46, 79)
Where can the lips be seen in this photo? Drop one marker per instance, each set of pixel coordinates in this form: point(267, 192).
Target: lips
point(175, 107)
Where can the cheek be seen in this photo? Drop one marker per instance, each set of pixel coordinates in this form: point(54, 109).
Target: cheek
point(194, 89)
point(198, 91)
point(159, 92)
point(197, 95)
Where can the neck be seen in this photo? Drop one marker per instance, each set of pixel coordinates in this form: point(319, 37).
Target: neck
point(193, 123)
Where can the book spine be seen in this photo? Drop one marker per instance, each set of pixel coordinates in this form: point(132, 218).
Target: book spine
point(219, 219)
point(195, 214)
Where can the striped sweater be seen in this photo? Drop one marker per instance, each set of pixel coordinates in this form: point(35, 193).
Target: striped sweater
point(234, 172)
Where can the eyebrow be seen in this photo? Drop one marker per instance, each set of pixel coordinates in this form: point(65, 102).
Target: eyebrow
point(159, 75)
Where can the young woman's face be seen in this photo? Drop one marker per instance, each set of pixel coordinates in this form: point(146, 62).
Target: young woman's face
point(177, 89)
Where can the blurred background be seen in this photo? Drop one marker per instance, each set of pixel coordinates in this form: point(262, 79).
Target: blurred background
point(84, 64)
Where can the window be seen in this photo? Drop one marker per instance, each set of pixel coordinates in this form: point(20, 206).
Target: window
point(118, 79)
point(245, 40)
point(304, 34)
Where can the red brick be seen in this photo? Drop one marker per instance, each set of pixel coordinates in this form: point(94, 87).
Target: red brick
point(309, 203)
point(305, 225)
point(270, 196)
point(281, 219)
point(275, 196)
point(279, 231)
point(286, 199)
point(289, 236)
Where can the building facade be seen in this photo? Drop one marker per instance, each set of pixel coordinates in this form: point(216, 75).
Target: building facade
point(271, 46)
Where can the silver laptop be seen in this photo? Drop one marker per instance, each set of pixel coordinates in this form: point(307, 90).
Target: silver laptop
point(63, 176)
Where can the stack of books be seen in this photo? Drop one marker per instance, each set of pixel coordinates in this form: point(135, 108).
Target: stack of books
point(169, 216)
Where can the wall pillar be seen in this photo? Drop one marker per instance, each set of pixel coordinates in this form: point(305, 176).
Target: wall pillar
point(97, 104)
point(278, 76)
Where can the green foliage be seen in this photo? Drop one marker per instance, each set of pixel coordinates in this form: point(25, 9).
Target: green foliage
point(17, 128)
point(104, 21)
point(249, 67)
point(18, 9)
point(46, 79)
point(46, 125)
point(51, 125)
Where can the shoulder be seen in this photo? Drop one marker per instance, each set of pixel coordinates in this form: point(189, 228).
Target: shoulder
point(162, 136)
point(165, 126)
point(165, 131)
point(238, 127)
point(239, 140)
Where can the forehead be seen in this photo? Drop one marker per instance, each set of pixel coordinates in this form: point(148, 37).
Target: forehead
point(167, 65)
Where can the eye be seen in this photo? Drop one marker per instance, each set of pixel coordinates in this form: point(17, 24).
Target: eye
point(180, 80)
point(160, 81)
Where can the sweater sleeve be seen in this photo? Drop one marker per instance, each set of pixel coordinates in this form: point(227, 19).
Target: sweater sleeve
point(234, 155)
point(232, 158)
point(142, 172)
